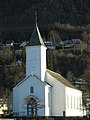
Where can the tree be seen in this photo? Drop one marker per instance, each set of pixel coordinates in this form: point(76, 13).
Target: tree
point(6, 56)
point(86, 37)
point(54, 37)
point(50, 63)
point(69, 76)
point(86, 76)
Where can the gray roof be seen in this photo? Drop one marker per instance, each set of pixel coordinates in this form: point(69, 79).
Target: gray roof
point(61, 79)
point(36, 38)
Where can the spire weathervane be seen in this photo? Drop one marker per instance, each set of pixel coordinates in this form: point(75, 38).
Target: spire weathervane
point(36, 18)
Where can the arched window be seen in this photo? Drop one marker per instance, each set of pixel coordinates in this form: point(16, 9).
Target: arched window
point(31, 89)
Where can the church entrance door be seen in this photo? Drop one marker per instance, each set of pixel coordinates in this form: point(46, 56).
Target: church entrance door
point(32, 107)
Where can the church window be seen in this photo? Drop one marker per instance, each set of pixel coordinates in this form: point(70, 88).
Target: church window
point(74, 102)
point(68, 101)
point(77, 102)
point(80, 100)
point(31, 89)
point(71, 102)
point(48, 99)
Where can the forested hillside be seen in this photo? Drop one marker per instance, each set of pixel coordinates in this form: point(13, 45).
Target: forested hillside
point(58, 20)
point(76, 62)
point(17, 17)
point(64, 10)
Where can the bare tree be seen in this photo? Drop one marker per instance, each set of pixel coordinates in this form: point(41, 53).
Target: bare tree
point(54, 37)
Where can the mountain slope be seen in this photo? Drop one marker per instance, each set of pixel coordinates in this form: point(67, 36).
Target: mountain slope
point(17, 17)
point(73, 11)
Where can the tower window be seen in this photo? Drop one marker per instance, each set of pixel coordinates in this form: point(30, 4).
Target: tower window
point(31, 89)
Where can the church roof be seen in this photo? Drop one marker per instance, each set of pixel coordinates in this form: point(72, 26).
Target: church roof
point(61, 79)
point(36, 38)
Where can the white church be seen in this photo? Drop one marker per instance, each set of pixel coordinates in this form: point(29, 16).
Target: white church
point(44, 92)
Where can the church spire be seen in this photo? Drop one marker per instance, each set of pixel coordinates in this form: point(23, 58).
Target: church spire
point(36, 38)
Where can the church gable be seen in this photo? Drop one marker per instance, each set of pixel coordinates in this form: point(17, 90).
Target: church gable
point(29, 92)
point(30, 78)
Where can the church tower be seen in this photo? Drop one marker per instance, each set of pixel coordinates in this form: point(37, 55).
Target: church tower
point(36, 55)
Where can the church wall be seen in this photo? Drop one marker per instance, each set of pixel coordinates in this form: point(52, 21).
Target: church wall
point(58, 96)
point(43, 62)
point(36, 61)
point(73, 102)
point(25, 87)
point(48, 100)
point(15, 101)
point(32, 60)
